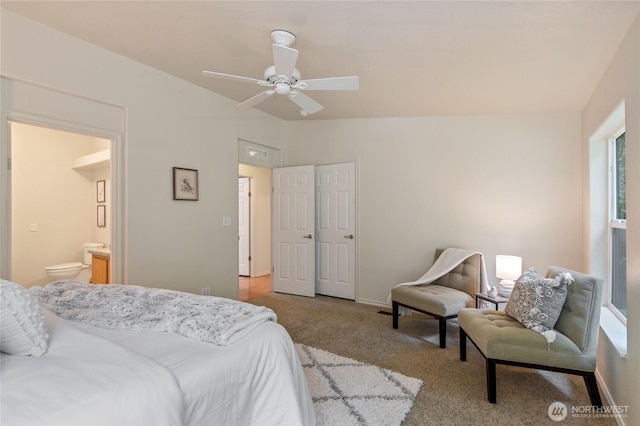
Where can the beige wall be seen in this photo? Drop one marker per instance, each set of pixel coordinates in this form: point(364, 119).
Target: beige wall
point(58, 200)
point(181, 245)
point(261, 218)
point(621, 82)
point(500, 185)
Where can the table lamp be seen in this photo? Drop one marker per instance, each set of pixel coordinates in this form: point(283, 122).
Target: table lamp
point(508, 269)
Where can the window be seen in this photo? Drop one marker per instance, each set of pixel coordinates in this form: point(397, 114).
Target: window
point(618, 227)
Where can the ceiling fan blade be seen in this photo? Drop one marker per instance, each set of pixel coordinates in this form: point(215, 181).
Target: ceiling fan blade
point(332, 83)
point(232, 77)
point(284, 60)
point(256, 99)
point(308, 105)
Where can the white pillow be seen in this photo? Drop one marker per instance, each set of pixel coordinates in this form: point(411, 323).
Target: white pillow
point(23, 330)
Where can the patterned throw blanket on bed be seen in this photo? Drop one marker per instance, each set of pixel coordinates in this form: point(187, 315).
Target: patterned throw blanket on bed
point(150, 310)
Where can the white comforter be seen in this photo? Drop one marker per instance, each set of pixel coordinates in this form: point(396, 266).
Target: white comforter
point(257, 381)
point(98, 376)
point(86, 380)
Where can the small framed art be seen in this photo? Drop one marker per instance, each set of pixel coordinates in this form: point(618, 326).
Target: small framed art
point(185, 184)
point(100, 194)
point(102, 216)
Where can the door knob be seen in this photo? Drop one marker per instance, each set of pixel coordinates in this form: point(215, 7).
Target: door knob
point(308, 236)
point(350, 236)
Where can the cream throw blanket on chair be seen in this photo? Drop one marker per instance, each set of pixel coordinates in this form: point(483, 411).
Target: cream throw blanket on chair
point(445, 263)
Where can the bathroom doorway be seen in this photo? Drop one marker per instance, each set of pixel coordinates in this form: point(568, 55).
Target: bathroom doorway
point(60, 199)
point(256, 161)
point(255, 263)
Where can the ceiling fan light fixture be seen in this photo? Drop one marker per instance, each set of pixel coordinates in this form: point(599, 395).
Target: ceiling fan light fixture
point(282, 88)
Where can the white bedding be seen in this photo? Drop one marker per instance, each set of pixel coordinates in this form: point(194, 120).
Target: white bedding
point(130, 307)
point(256, 381)
point(99, 376)
point(86, 380)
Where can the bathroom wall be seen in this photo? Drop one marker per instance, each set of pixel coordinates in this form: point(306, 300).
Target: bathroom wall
point(102, 234)
point(53, 206)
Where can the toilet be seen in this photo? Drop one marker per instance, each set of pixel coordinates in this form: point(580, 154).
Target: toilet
point(73, 270)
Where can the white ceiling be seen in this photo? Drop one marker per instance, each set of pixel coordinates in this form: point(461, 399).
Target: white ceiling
point(414, 58)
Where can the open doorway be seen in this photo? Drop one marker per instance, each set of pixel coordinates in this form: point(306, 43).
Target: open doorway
point(60, 185)
point(48, 108)
point(254, 231)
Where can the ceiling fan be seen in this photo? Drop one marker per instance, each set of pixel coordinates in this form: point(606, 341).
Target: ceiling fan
point(283, 78)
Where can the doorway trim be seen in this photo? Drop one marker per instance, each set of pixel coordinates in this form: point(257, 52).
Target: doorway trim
point(117, 187)
point(248, 219)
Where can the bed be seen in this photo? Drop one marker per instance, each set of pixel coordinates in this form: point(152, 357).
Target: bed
point(77, 372)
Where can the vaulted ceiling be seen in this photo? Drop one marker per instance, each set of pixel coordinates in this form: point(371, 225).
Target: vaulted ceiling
point(413, 58)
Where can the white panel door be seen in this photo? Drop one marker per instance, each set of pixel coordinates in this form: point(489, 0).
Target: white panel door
point(293, 240)
point(244, 250)
point(335, 230)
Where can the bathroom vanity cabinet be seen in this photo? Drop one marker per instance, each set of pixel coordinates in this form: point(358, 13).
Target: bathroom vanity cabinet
point(100, 269)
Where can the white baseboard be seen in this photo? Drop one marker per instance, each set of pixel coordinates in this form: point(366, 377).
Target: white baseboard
point(374, 303)
point(607, 398)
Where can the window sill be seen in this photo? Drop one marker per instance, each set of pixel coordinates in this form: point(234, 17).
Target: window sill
point(615, 330)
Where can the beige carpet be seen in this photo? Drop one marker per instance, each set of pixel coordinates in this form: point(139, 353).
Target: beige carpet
point(454, 392)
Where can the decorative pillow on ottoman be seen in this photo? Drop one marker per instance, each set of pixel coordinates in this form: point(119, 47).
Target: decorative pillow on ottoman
point(23, 329)
point(536, 302)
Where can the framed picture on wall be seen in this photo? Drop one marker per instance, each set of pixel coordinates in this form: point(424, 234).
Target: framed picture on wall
point(185, 184)
point(102, 215)
point(100, 191)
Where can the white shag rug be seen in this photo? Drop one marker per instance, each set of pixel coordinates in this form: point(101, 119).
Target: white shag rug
point(348, 392)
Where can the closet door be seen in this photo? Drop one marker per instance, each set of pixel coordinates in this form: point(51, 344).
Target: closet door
point(293, 230)
point(335, 230)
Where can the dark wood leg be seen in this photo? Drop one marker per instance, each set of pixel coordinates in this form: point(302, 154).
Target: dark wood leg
point(463, 345)
point(592, 388)
point(443, 332)
point(395, 313)
point(491, 380)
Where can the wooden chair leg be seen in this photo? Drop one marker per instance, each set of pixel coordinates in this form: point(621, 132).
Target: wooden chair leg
point(491, 380)
point(395, 313)
point(463, 345)
point(592, 389)
point(443, 332)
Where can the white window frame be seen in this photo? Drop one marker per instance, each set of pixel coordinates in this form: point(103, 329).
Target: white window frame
point(613, 222)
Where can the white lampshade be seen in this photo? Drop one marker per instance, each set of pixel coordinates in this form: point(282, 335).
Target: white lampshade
point(508, 267)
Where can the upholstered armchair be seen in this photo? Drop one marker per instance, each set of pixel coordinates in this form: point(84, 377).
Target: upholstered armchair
point(445, 296)
point(503, 340)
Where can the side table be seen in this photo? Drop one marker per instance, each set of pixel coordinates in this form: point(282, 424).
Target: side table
point(495, 300)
